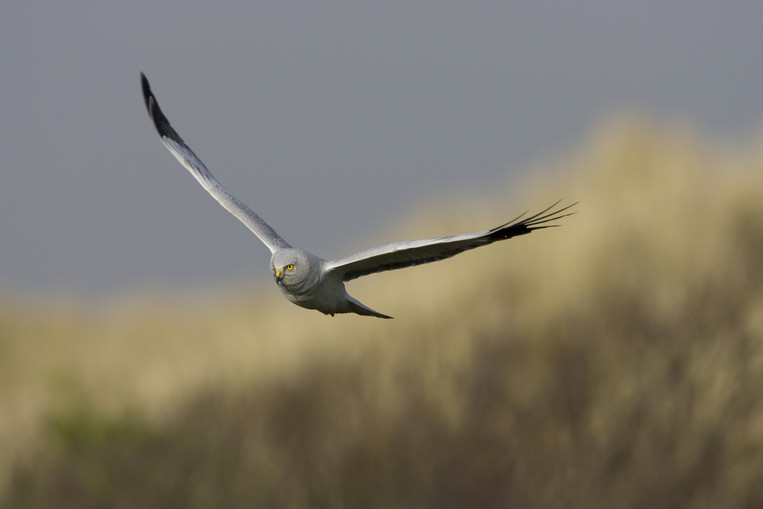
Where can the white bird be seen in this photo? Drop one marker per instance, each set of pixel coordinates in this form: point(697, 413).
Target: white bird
point(312, 282)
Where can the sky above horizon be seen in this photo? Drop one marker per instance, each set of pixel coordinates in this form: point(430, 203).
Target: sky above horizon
point(330, 119)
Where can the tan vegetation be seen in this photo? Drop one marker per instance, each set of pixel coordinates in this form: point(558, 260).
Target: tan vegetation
point(616, 361)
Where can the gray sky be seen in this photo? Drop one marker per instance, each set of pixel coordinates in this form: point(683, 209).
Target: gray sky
point(308, 110)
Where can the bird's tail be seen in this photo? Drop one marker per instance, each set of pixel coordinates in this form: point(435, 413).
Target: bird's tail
point(356, 307)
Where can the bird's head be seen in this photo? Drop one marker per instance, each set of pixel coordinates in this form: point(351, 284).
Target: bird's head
point(293, 269)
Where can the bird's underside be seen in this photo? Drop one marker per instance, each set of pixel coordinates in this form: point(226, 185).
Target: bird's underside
point(314, 283)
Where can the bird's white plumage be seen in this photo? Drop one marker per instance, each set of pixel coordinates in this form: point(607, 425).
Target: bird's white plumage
point(314, 283)
point(401, 254)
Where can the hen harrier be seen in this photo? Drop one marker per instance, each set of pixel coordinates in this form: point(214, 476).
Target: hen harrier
point(315, 283)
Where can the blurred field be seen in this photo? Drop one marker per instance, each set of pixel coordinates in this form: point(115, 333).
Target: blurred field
point(614, 362)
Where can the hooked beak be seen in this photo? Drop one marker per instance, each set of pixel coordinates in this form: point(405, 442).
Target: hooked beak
point(279, 275)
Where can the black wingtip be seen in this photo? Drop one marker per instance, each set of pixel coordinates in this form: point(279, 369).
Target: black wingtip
point(537, 221)
point(146, 88)
point(161, 123)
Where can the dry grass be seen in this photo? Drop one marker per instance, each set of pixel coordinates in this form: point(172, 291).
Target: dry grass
point(614, 362)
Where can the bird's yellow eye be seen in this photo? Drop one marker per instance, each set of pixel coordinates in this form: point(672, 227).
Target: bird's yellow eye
point(290, 267)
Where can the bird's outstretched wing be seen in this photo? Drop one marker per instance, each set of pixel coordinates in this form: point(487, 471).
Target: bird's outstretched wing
point(399, 255)
point(177, 147)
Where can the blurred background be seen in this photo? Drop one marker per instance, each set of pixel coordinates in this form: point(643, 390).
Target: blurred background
point(146, 359)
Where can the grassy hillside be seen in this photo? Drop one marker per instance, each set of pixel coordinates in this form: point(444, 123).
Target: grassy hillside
point(614, 362)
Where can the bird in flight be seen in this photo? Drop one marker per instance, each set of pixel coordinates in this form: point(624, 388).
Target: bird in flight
point(312, 282)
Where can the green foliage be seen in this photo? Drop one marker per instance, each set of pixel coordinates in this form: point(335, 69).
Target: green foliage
point(84, 448)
